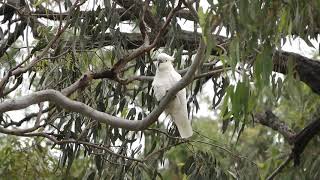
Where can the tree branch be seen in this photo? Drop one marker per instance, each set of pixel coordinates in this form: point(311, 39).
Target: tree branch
point(299, 141)
point(61, 100)
point(308, 70)
point(146, 47)
point(302, 139)
point(17, 70)
point(270, 120)
point(12, 37)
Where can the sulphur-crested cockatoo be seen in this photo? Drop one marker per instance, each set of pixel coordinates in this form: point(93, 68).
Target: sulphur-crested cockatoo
point(166, 77)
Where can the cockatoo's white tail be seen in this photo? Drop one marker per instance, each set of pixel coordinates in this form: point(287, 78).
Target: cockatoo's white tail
point(179, 114)
point(183, 124)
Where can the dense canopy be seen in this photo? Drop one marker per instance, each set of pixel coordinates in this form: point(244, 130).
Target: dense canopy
point(76, 77)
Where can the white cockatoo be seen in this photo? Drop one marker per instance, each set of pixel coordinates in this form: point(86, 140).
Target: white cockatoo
point(166, 77)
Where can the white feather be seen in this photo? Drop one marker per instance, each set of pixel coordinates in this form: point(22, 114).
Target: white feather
point(166, 77)
point(164, 56)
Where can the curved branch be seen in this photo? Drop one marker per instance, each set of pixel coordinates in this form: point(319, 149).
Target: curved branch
point(146, 46)
point(61, 100)
point(302, 139)
point(299, 140)
point(25, 119)
point(17, 70)
point(270, 120)
point(308, 70)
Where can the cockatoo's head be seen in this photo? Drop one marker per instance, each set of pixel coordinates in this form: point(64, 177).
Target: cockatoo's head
point(164, 61)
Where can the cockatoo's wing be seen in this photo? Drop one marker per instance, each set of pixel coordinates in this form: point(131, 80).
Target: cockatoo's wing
point(178, 107)
point(159, 91)
point(163, 82)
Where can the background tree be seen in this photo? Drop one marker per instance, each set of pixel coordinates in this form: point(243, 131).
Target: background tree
point(85, 85)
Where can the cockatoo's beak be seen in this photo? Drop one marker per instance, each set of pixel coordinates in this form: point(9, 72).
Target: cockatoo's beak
point(160, 61)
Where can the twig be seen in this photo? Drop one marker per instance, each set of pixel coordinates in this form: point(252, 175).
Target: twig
point(163, 149)
point(224, 149)
point(17, 70)
point(37, 123)
point(165, 133)
point(279, 169)
point(16, 85)
point(145, 47)
point(41, 134)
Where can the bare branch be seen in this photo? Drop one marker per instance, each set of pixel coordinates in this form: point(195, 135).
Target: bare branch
point(25, 119)
point(269, 119)
point(16, 71)
point(61, 100)
point(299, 140)
point(14, 87)
point(302, 139)
point(146, 47)
point(307, 70)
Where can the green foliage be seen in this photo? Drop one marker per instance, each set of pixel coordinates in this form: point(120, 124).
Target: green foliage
point(298, 104)
point(27, 159)
point(230, 146)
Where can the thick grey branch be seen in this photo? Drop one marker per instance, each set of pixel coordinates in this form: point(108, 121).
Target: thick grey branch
point(308, 70)
point(61, 100)
point(269, 119)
